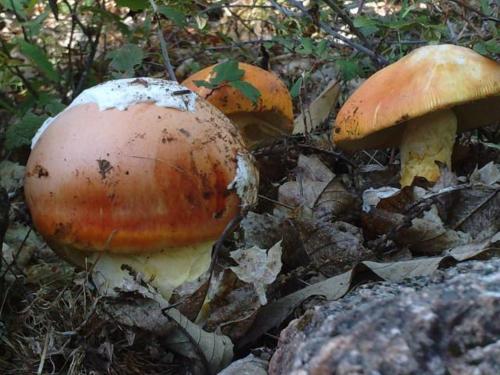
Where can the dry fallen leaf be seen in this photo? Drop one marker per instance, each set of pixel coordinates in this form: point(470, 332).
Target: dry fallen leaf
point(316, 192)
point(273, 314)
point(488, 175)
point(262, 230)
point(410, 218)
point(333, 247)
point(336, 203)
point(311, 179)
point(148, 310)
point(233, 309)
point(258, 267)
point(478, 211)
point(371, 197)
point(318, 110)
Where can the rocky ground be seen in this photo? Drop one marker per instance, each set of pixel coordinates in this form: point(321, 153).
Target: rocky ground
point(442, 324)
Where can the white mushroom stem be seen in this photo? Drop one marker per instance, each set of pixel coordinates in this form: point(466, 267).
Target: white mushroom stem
point(427, 139)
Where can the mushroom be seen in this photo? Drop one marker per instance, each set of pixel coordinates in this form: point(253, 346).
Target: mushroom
point(419, 103)
point(270, 117)
point(138, 174)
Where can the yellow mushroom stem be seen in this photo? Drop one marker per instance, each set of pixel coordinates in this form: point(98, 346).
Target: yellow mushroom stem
point(427, 139)
point(168, 270)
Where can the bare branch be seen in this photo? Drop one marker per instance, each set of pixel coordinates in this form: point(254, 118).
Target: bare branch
point(474, 10)
point(163, 43)
point(88, 62)
point(377, 59)
point(345, 17)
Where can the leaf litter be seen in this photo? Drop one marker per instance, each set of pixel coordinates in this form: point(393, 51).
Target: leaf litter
point(331, 225)
point(326, 239)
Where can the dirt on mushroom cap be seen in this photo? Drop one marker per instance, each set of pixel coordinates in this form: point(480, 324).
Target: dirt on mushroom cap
point(135, 181)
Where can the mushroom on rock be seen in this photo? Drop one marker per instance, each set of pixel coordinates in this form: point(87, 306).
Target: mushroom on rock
point(270, 117)
point(138, 174)
point(419, 103)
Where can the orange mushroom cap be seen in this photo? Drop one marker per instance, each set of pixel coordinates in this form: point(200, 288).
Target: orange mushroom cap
point(140, 176)
point(428, 79)
point(274, 105)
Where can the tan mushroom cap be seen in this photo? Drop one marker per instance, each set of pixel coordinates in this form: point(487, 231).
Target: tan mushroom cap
point(429, 79)
point(274, 105)
point(133, 181)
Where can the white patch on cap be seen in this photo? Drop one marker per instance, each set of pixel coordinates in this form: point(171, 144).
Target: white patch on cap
point(246, 181)
point(40, 130)
point(122, 93)
point(441, 54)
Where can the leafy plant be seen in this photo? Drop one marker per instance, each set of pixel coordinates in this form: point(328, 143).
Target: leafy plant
point(125, 59)
point(21, 133)
point(229, 73)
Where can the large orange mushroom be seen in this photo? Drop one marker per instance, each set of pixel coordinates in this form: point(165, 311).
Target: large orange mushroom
point(419, 103)
point(271, 116)
point(138, 174)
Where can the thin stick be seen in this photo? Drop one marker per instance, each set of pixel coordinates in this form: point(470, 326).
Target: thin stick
point(44, 352)
point(379, 60)
point(345, 17)
point(474, 10)
point(163, 43)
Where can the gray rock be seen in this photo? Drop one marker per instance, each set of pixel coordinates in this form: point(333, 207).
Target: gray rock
point(448, 323)
point(250, 365)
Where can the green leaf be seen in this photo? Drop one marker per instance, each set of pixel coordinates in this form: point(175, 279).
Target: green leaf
point(134, 5)
point(107, 16)
point(51, 103)
point(21, 133)
point(227, 72)
point(295, 90)
point(16, 6)
point(205, 84)
point(246, 89)
point(366, 25)
point(349, 69)
point(489, 48)
point(175, 15)
point(306, 48)
point(287, 43)
point(39, 58)
point(405, 10)
point(33, 26)
point(321, 48)
point(486, 8)
point(126, 58)
point(398, 24)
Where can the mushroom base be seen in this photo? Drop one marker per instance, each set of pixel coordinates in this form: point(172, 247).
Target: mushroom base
point(181, 268)
point(427, 139)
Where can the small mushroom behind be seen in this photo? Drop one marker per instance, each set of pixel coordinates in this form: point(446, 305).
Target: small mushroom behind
point(134, 177)
point(270, 117)
point(419, 103)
